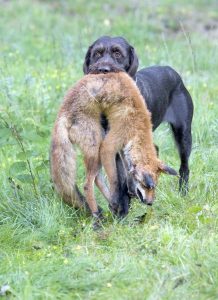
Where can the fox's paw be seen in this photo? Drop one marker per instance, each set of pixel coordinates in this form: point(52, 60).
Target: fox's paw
point(97, 219)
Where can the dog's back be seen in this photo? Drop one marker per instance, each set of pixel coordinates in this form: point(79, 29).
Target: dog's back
point(156, 83)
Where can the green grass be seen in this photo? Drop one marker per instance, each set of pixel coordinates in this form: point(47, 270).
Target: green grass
point(48, 250)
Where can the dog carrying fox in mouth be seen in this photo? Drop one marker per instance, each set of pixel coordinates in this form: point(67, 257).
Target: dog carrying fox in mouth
point(78, 123)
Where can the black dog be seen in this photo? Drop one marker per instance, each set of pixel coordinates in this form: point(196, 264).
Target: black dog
point(165, 95)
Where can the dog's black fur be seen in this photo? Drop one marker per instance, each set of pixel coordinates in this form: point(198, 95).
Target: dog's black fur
point(164, 92)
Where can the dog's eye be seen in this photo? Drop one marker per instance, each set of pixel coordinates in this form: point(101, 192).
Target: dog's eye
point(117, 54)
point(97, 54)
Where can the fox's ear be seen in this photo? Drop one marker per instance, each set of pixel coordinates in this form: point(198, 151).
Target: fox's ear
point(167, 170)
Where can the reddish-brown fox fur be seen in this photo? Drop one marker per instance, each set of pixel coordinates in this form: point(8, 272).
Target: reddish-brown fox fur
point(78, 123)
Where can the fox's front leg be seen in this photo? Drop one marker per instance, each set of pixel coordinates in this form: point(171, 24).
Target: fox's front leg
point(100, 182)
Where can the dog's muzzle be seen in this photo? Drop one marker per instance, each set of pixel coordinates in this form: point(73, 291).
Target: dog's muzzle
point(100, 68)
point(104, 69)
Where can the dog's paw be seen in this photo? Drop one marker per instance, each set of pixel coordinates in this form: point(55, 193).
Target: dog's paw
point(124, 206)
point(122, 211)
point(114, 207)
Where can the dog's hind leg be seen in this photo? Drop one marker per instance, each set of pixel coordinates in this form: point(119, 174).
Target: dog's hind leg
point(184, 142)
point(179, 115)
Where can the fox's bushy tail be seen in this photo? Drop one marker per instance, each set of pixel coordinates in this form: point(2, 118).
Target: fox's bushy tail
point(63, 164)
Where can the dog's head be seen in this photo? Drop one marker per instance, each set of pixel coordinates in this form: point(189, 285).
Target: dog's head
point(110, 54)
point(142, 181)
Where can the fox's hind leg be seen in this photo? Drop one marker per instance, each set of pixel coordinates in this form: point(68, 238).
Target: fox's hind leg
point(100, 182)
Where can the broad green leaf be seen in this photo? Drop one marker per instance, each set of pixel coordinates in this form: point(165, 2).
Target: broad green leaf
point(24, 178)
point(5, 133)
point(27, 154)
point(18, 167)
point(7, 142)
point(43, 165)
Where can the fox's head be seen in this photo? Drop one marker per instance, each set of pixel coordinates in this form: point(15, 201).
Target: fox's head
point(142, 180)
point(142, 177)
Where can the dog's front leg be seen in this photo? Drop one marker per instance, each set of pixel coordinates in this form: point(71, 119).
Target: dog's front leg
point(123, 178)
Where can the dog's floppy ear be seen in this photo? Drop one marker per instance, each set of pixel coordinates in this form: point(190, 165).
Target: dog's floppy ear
point(87, 61)
point(133, 62)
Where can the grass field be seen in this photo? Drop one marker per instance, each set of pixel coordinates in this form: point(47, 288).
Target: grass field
point(48, 250)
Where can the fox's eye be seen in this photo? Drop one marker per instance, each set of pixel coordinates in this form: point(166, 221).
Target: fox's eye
point(97, 54)
point(150, 187)
point(117, 54)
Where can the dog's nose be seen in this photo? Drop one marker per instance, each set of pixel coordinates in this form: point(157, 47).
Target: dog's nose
point(104, 69)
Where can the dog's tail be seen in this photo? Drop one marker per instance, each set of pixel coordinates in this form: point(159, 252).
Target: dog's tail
point(63, 164)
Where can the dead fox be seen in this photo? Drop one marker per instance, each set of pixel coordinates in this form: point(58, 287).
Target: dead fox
point(78, 123)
